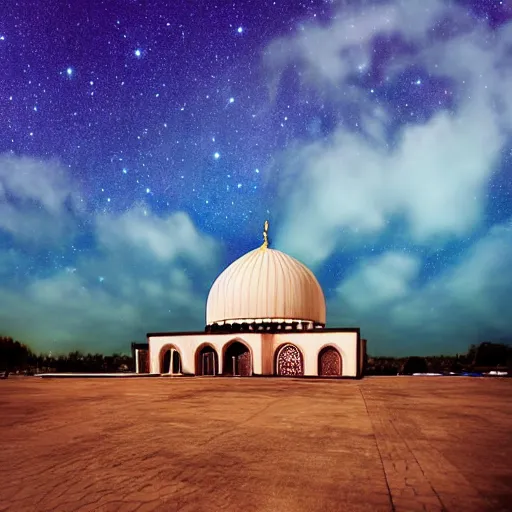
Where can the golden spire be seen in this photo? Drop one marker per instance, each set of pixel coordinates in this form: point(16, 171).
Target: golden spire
point(265, 235)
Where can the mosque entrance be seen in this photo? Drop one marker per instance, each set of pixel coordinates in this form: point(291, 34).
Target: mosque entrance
point(329, 363)
point(237, 360)
point(207, 362)
point(171, 362)
point(175, 363)
point(289, 361)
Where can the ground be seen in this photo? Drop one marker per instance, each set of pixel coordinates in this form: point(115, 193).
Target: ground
point(269, 445)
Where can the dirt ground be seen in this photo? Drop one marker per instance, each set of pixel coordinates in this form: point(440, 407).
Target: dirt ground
point(219, 444)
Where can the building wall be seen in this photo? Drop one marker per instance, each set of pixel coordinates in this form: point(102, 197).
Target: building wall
point(263, 347)
point(188, 345)
point(310, 344)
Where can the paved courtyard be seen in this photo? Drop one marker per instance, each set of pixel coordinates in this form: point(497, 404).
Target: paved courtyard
point(276, 445)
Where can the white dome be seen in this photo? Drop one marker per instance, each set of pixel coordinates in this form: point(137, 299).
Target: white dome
point(264, 285)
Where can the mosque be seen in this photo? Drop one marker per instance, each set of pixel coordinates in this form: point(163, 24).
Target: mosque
point(265, 315)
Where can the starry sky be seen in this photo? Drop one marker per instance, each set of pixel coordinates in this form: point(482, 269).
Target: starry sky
point(144, 143)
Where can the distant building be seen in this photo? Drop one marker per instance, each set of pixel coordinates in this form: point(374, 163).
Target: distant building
point(265, 315)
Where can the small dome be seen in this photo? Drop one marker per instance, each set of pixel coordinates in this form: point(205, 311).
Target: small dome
point(265, 284)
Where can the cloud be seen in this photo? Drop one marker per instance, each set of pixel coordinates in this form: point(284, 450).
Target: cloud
point(328, 55)
point(472, 295)
point(380, 281)
point(349, 184)
point(384, 180)
point(139, 272)
point(165, 238)
point(37, 199)
point(466, 303)
point(77, 308)
point(432, 175)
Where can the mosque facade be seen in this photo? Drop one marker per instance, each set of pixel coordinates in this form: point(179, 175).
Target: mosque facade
point(265, 316)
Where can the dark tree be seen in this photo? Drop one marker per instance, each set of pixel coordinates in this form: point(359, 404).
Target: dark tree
point(471, 355)
point(415, 365)
point(492, 354)
point(13, 354)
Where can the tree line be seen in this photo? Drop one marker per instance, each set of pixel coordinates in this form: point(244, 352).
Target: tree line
point(18, 357)
point(479, 358)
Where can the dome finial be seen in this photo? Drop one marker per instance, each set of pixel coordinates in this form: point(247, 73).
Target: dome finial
point(265, 235)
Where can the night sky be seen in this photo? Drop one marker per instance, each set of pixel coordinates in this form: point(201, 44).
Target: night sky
point(144, 143)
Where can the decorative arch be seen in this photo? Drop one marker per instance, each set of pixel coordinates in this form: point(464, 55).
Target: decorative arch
point(237, 358)
point(169, 359)
point(206, 360)
point(330, 362)
point(289, 361)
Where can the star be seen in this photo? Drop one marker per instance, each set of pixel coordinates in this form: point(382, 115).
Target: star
point(138, 53)
point(216, 155)
point(240, 30)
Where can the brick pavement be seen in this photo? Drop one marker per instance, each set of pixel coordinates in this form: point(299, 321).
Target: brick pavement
point(418, 476)
point(377, 445)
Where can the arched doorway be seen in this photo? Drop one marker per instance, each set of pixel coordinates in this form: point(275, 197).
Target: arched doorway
point(289, 361)
point(237, 360)
point(165, 366)
point(330, 363)
point(207, 361)
point(170, 361)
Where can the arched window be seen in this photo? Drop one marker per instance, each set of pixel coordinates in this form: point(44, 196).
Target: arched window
point(289, 361)
point(330, 363)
